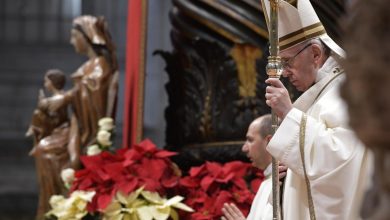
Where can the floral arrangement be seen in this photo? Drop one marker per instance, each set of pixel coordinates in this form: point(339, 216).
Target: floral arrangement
point(212, 184)
point(142, 183)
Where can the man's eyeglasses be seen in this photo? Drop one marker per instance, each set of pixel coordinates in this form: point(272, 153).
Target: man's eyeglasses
point(287, 63)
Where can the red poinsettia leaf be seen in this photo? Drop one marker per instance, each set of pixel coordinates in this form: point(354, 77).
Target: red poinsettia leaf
point(255, 184)
point(122, 151)
point(201, 216)
point(150, 184)
point(114, 168)
point(92, 206)
point(107, 155)
point(164, 154)
point(105, 188)
point(128, 162)
point(222, 198)
point(103, 200)
point(259, 173)
point(201, 199)
point(114, 158)
point(103, 175)
point(237, 167)
point(242, 196)
point(81, 173)
point(244, 208)
point(200, 196)
point(152, 168)
point(213, 168)
point(132, 155)
point(197, 171)
point(170, 182)
point(80, 177)
point(206, 209)
point(240, 183)
point(85, 184)
point(226, 178)
point(127, 186)
point(189, 182)
point(95, 178)
point(206, 182)
point(146, 146)
point(159, 165)
point(91, 161)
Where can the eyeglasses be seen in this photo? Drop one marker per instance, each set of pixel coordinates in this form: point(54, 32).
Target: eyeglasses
point(287, 63)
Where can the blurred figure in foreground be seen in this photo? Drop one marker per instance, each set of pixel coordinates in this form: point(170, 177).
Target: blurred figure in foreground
point(366, 92)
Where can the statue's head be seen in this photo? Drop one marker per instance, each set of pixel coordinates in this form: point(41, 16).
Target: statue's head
point(90, 32)
point(55, 78)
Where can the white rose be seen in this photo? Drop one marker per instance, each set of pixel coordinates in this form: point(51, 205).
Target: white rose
point(93, 150)
point(67, 176)
point(106, 124)
point(103, 137)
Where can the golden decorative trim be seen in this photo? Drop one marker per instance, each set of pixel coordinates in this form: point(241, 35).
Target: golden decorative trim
point(302, 130)
point(300, 35)
point(338, 73)
point(301, 31)
point(302, 39)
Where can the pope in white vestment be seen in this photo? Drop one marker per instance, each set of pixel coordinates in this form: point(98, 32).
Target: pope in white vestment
point(336, 162)
point(315, 128)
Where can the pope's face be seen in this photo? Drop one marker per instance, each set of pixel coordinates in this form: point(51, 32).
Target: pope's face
point(299, 66)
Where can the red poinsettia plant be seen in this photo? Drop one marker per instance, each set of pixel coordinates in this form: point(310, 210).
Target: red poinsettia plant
point(141, 182)
point(143, 165)
point(212, 184)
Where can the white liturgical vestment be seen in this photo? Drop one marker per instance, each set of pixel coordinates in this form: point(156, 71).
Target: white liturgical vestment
point(337, 164)
point(261, 208)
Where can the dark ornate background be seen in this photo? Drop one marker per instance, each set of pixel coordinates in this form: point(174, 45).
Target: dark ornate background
point(216, 75)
